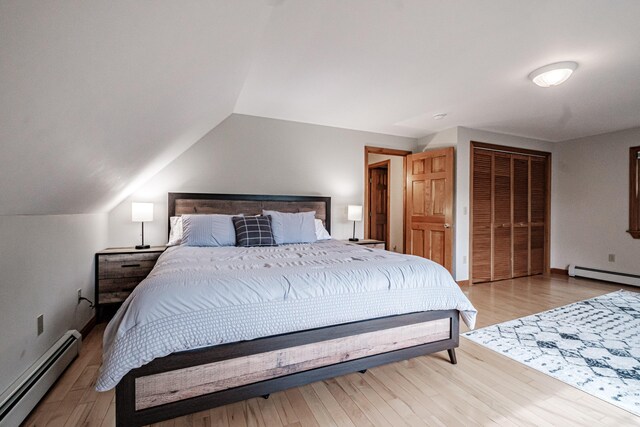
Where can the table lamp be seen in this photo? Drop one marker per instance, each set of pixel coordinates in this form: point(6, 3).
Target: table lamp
point(354, 213)
point(142, 212)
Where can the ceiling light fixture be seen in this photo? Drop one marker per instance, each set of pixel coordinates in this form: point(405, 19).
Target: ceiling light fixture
point(553, 74)
point(439, 116)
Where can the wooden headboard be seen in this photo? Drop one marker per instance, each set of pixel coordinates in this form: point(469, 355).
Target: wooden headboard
point(230, 204)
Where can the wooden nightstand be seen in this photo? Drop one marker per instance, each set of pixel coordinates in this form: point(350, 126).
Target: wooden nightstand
point(370, 243)
point(118, 272)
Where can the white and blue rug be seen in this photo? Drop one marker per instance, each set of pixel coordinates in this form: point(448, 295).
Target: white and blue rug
point(593, 345)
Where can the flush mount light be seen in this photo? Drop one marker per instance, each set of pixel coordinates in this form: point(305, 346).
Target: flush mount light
point(553, 74)
point(439, 116)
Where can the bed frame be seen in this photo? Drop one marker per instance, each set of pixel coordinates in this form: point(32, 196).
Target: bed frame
point(191, 381)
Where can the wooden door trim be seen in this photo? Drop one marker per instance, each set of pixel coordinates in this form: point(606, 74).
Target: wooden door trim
point(470, 212)
point(634, 200)
point(547, 225)
point(404, 204)
point(385, 164)
point(510, 150)
point(547, 222)
point(382, 164)
point(391, 152)
point(493, 214)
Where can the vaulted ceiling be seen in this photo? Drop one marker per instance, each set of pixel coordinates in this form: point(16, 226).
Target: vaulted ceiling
point(96, 96)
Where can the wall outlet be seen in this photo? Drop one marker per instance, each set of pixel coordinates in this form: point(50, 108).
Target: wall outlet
point(464, 259)
point(465, 210)
point(40, 322)
point(612, 257)
point(79, 295)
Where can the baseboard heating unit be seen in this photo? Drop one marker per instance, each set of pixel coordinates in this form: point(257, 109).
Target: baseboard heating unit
point(607, 276)
point(24, 394)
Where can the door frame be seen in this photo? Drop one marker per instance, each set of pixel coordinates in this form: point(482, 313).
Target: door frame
point(385, 164)
point(547, 223)
point(391, 152)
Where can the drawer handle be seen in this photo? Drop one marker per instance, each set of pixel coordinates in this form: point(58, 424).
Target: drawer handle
point(130, 265)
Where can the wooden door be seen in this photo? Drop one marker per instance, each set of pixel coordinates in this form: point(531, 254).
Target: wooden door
point(379, 201)
point(509, 213)
point(538, 177)
point(482, 217)
point(521, 220)
point(429, 210)
point(501, 201)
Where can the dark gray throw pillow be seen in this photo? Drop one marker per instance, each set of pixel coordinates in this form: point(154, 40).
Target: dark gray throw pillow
point(253, 231)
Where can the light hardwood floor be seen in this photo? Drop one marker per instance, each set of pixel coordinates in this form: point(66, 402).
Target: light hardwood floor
point(485, 388)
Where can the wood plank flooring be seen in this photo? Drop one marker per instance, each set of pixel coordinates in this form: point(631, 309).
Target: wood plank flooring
point(485, 388)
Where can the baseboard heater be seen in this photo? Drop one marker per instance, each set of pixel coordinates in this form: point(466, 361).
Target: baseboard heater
point(607, 276)
point(25, 393)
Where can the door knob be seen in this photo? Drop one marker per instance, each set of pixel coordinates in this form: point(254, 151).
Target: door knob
point(446, 225)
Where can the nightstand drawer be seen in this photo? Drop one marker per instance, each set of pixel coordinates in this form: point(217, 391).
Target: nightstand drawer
point(126, 265)
point(376, 245)
point(118, 272)
point(369, 243)
point(119, 284)
point(113, 297)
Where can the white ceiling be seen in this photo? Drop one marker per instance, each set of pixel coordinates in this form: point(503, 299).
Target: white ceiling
point(389, 66)
point(96, 96)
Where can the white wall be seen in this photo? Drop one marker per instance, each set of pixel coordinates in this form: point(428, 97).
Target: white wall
point(254, 155)
point(461, 204)
point(396, 196)
point(591, 213)
point(446, 138)
point(43, 261)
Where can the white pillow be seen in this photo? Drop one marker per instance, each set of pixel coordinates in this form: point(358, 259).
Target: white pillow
point(208, 230)
point(175, 231)
point(293, 227)
point(321, 232)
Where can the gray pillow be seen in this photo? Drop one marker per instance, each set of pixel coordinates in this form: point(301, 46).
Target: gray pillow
point(208, 230)
point(293, 227)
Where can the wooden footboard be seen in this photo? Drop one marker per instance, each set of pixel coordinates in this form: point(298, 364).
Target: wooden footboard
point(192, 381)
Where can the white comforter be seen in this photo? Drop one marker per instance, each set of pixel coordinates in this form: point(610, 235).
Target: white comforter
point(197, 297)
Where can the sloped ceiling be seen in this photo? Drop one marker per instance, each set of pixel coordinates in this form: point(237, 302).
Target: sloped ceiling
point(96, 96)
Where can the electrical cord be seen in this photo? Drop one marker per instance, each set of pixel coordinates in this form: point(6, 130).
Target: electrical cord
point(86, 299)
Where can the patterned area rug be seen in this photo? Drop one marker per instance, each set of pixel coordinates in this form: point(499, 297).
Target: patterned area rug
point(593, 345)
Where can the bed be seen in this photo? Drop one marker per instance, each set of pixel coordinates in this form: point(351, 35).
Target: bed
point(212, 326)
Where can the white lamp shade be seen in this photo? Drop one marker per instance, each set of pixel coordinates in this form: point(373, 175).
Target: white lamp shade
point(141, 212)
point(354, 213)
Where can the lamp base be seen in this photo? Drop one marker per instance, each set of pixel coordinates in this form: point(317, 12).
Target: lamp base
point(354, 239)
point(143, 246)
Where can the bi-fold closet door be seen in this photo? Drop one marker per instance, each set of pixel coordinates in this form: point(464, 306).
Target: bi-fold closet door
point(509, 209)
